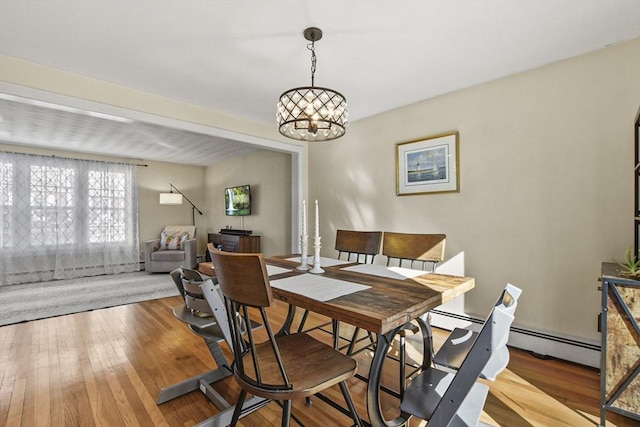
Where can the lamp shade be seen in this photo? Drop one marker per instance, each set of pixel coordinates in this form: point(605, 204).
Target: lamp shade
point(170, 199)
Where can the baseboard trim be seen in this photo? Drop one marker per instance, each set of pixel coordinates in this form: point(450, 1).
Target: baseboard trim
point(543, 344)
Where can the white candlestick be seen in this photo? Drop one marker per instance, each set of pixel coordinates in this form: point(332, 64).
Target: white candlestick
point(317, 269)
point(317, 221)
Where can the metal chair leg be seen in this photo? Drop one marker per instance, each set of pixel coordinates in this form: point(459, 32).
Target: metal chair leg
point(238, 409)
point(286, 413)
point(350, 405)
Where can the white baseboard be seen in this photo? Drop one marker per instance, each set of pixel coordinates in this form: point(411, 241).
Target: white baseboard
point(543, 344)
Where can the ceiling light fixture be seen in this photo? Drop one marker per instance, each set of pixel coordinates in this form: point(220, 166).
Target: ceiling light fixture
point(312, 113)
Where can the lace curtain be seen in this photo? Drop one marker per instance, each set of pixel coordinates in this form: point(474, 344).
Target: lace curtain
point(65, 218)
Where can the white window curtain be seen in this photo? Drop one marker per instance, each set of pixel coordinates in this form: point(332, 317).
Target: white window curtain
point(65, 218)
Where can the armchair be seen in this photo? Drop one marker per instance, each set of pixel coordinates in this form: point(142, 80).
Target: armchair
point(173, 250)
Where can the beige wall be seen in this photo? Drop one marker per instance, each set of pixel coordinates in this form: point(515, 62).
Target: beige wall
point(152, 180)
point(269, 174)
point(546, 161)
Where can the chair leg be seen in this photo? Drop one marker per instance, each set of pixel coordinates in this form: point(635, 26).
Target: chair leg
point(303, 320)
point(353, 341)
point(286, 413)
point(238, 408)
point(350, 405)
point(403, 373)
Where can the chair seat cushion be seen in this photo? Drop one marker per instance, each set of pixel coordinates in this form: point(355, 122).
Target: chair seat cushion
point(167, 256)
point(310, 365)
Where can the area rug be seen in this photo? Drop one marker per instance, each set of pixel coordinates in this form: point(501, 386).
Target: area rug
point(31, 301)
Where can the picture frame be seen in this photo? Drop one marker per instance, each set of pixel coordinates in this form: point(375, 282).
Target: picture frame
point(428, 165)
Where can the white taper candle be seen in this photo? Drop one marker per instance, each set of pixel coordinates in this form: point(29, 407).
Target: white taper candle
point(317, 221)
point(304, 218)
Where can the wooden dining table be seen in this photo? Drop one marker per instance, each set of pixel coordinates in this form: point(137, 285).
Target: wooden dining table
point(378, 301)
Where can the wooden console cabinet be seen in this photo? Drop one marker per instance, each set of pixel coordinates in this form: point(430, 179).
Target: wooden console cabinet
point(233, 243)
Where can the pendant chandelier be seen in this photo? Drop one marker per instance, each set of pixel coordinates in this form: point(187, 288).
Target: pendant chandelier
point(312, 113)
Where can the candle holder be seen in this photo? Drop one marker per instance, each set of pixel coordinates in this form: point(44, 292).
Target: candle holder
point(304, 241)
point(316, 256)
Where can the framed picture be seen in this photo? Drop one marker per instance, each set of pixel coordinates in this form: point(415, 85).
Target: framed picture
point(428, 165)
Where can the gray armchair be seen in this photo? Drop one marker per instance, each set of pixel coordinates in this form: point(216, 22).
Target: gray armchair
point(163, 260)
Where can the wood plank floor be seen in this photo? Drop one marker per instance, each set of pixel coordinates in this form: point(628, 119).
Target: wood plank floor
point(106, 368)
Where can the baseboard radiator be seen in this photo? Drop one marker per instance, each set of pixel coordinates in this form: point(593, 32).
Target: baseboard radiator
point(541, 344)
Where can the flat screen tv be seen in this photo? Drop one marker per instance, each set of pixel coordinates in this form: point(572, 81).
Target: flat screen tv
point(237, 200)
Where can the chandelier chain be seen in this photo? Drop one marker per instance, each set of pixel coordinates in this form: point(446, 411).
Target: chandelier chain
point(312, 47)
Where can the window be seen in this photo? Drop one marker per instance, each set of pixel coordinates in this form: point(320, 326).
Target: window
point(51, 205)
point(6, 198)
point(107, 206)
point(67, 217)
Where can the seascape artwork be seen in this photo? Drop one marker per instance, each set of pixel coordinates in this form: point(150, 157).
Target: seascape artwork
point(427, 165)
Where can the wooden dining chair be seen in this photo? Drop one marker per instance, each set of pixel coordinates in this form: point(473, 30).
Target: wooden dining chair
point(364, 244)
point(422, 249)
point(279, 367)
point(444, 398)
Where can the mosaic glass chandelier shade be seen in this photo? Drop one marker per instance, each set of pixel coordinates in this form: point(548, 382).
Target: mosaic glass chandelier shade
point(312, 113)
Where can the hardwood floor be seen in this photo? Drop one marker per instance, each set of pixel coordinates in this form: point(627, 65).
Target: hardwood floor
point(106, 368)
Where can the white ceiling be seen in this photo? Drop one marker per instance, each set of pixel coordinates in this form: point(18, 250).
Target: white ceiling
point(238, 56)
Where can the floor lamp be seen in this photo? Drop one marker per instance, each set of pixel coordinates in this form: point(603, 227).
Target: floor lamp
point(172, 198)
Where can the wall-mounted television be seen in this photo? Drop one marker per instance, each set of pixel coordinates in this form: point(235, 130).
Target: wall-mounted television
point(237, 200)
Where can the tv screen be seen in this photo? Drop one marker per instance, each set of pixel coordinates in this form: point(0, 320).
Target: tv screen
point(237, 200)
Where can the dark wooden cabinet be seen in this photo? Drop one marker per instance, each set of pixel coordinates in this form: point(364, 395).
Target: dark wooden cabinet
point(233, 243)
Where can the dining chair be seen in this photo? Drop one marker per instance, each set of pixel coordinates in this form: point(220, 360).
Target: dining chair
point(199, 315)
point(364, 244)
point(426, 250)
point(415, 248)
point(279, 367)
point(456, 347)
point(358, 243)
point(446, 399)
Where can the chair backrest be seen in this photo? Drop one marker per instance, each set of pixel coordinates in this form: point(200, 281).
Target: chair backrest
point(507, 303)
point(244, 282)
point(366, 243)
point(426, 248)
point(491, 340)
point(188, 282)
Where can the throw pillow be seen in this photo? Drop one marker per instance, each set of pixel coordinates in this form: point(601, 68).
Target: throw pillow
point(174, 241)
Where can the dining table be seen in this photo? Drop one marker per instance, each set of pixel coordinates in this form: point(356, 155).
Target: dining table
point(376, 298)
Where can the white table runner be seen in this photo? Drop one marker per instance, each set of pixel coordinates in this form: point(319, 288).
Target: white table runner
point(317, 287)
point(384, 271)
point(324, 262)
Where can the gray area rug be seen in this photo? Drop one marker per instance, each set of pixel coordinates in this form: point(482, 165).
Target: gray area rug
point(31, 301)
